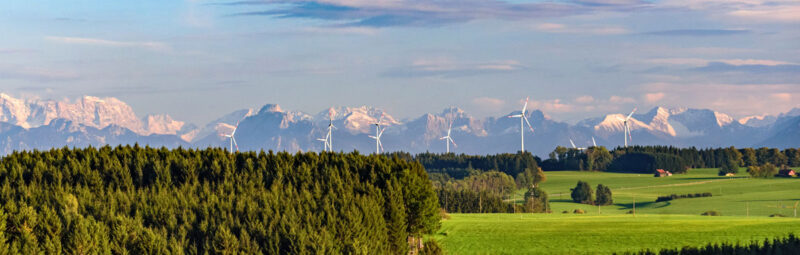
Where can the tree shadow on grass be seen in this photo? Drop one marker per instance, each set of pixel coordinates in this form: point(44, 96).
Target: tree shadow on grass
point(712, 178)
point(769, 200)
point(648, 205)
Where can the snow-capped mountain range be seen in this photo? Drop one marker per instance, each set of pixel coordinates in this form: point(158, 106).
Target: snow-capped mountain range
point(43, 124)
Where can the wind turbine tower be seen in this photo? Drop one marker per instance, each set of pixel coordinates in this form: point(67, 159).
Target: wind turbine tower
point(378, 134)
point(448, 139)
point(523, 119)
point(627, 127)
point(233, 139)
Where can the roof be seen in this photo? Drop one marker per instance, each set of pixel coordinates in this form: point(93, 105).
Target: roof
point(786, 172)
point(661, 171)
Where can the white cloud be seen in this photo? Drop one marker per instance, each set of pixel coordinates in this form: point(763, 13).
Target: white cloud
point(584, 99)
point(770, 13)
point(782, 96)
point(736, 99)
point(108, 43)
point(621, 100)
point(703, 62)
point(752, 10)
point(653, 97)
point(583, 29)
point(554, 105)
point(488, 102)
point(342, 30)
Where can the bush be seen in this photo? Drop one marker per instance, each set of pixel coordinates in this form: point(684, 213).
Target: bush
point(431, 247)
point(711, 213)
point(729, 166)
point(582, 193)
point(764, 171)
point(565, 211)
point(578, 211)
point(536, 201)
point(777, 215)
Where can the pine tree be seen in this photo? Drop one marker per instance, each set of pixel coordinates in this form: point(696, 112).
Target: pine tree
point(603, 195)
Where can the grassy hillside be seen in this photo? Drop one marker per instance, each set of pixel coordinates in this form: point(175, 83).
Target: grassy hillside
point(731, 196)
point(670, 224)
point(587, 234)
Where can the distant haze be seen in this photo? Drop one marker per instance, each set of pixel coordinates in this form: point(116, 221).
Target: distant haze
point(197, 60)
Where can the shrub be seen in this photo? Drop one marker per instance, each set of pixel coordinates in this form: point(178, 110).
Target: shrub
point(431, 247)
point(579, 211)
point(582, 193)
point(565, 211)
point(777, 215)
point(764, 171)
point(729, 166)
point(711, 213)
point(536, 200)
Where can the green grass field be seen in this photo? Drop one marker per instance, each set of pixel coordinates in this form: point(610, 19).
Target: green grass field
point(745, 204)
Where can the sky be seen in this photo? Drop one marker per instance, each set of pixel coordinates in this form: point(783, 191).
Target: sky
point(198, 60)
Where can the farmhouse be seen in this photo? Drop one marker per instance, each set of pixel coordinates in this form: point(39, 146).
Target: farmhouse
point(787, 173)
point(662, 173)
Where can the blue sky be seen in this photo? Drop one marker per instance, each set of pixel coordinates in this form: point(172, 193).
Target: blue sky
point(197, 60)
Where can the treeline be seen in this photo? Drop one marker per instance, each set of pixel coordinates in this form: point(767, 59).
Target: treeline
point(484, 183)
point(134, 200)
point(778, 246)
point(460, 166)
point(674, 159)
point(491, 192)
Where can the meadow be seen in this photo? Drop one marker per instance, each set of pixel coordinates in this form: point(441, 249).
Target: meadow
point(745, 204)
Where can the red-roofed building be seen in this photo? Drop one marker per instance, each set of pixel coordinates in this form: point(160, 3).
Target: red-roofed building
point(662, 173)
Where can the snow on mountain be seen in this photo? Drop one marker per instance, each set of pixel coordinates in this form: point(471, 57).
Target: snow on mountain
point(41, 124)
point(88, 111)
point(357, 120)
point(163, 124)
point(757, 120)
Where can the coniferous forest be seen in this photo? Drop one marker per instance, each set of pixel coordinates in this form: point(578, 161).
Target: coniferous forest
point(138, 200)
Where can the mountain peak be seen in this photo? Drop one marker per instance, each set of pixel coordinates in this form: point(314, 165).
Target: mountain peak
point(270, 108)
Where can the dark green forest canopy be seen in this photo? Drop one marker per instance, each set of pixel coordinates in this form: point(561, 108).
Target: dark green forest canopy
point(138, 200)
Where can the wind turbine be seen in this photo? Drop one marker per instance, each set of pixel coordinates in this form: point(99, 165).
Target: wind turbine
point(329, 137)
point(627, 126)
point(448, 139)
point(233, 140)
point(575, 147)
point(522, 120)
point(325, 142)
point(378, 134)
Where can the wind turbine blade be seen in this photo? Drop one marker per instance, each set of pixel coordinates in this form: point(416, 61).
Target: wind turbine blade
point(631, 114)
point(515, 116)
point(381, 145)
point(525, 107)
point(573, 144)
point(443, 138)
point(452, 141)
point(593, 142)
point(529, 124)
point(235, 144)
point(629, 132)
point(381, 133)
